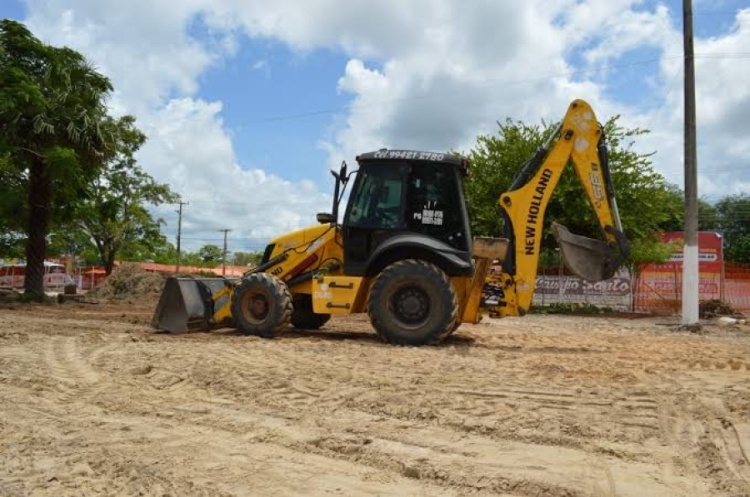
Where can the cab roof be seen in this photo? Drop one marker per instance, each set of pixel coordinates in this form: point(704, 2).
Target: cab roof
point(415, 155)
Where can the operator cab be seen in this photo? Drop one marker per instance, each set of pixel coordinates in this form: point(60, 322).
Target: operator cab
point(408, 202)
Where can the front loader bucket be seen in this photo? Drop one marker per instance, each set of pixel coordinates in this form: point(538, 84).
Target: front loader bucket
point(590, 259)
point(192, 304)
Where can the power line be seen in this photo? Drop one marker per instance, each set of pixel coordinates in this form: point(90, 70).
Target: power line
point(489, 82)
point(442, 95)
point(710, 12)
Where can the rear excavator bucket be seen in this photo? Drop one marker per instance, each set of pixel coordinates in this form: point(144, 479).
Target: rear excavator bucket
point(192, 304)
point(590, 259)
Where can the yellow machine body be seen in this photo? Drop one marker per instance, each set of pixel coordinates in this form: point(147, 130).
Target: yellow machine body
point(410, 274)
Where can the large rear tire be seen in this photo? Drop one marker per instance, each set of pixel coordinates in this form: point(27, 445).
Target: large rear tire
point(412, 302)
point(303, 316)
point(261, 305)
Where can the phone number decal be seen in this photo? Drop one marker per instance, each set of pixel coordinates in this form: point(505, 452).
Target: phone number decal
point(409, 155)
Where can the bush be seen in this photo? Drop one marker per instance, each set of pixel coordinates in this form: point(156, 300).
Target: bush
point(571, 308)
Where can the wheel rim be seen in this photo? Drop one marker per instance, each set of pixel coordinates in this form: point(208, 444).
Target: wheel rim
point(255, 306)
point(411, 306)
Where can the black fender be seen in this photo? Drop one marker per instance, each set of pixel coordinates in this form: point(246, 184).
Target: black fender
point(415, 246)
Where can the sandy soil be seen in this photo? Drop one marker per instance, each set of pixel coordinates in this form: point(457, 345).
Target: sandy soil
point(93, 402)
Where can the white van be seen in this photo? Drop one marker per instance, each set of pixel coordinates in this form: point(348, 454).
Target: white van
point(55, 276)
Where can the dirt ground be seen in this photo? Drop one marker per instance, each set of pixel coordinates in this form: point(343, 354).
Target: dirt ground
point(94, 402)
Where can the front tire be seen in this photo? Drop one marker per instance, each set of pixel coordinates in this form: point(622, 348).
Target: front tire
point(261, 305)
point(412, 302)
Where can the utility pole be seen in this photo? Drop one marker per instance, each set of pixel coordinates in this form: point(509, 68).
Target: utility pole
point(690, 270)
point(224, 254)
point(179, 234)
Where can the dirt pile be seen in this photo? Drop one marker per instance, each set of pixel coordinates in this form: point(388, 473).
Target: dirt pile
point(715, 308)
point(129, 281)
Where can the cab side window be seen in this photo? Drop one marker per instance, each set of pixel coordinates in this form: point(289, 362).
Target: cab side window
point(434, 204)
point(378, 200)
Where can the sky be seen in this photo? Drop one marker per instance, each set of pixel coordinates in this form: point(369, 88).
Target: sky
point(248, 104)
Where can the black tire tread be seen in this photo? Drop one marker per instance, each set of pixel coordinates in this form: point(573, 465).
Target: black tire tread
point(303, 316)
point(281, 307)
point(439, 280)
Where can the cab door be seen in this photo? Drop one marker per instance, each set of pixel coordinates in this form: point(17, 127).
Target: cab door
point(375, 212)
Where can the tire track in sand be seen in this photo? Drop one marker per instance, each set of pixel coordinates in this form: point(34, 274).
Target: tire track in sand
point(70, 370)
point(246, 458)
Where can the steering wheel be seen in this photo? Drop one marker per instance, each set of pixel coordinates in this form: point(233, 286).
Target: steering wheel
point(389, 216)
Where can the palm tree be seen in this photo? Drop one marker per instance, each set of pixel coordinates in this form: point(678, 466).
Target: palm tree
point(51, 111)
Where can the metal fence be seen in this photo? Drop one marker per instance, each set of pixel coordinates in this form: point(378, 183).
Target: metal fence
point(657, 289)
point(661, 289)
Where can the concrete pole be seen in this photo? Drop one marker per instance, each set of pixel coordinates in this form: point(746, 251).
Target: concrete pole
point(224, 253)
point(179, 235)
point(690, 273)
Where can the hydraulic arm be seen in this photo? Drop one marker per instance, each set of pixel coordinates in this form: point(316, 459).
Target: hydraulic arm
point(578, 140)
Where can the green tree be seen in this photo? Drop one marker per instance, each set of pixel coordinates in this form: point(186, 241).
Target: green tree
point(708, 216)
point(114, 213)
point(644, 251)
point(50, 113)
point(70, 239)
point(494, 162)
point(194, 259)
point(12, 202)
point(734, 223)
point(12, 244)
point(211, 254)
point(165, 253)
point(647, 203)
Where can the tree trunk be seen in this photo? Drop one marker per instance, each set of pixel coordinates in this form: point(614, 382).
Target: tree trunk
point(40, 201)
point(108, 252)
point(109, 262)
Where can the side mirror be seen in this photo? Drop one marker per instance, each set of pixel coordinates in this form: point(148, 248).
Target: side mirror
point(342, 171)
point(325, 218)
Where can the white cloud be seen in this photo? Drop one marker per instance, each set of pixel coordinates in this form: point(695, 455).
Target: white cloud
point(145, 48)
point(141, 45)
point(723, 111)
point(430, 74)
point(190, 150)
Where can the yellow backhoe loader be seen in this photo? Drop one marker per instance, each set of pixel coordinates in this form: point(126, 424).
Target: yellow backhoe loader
point(403, 252)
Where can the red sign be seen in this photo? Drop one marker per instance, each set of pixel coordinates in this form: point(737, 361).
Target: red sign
point(710, 251)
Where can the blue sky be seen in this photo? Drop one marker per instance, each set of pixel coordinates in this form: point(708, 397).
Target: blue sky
point(273, 102)
point(248, 104)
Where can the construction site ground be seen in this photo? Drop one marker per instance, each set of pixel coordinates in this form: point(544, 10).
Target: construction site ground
point(95, 402)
